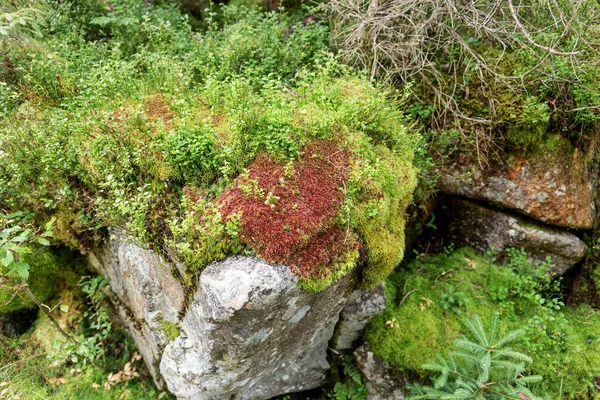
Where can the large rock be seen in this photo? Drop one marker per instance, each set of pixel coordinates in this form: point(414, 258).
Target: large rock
point(554, 187)
point(465, 223)
point(362, 306)
point(148, 296)
point(250, 331)
point(381, 380)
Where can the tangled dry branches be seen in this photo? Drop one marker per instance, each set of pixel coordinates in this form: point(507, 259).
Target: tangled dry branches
point(445, 44)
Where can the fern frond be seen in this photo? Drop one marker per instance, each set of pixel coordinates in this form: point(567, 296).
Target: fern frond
point(475, 326)
point(465, 357)
point(484, 374)
point(469, 386)
point(351, 370)
point(494, 328)
point(432, 366)
point(468, 345)
point(509, 337)
point(514, 354)
point(473, 365)
point(509, 366)
point(441, 380)
point(529, 379)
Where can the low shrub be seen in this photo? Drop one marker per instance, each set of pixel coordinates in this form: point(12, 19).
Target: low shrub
point(159, 140)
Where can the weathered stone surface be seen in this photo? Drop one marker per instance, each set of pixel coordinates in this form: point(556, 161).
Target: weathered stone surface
point(147, 292)
point(465, 223)
point(252, 333)
point(382, 382)
point(555, 188)
point(362, 306)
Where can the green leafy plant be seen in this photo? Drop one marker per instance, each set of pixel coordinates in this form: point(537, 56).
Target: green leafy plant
point(91, 348)
point(354, 389)
point(481, 366)
point(452, 298)
point(18, 238)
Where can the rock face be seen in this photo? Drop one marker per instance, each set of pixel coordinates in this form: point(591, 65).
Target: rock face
point(250, 331)
point(381, 381)
point(148, 296)
point(557, 189)
point(362, 306)
point(466, 223)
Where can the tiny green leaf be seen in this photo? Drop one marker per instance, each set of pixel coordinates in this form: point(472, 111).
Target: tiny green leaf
point(22, 269)
point(8, 258)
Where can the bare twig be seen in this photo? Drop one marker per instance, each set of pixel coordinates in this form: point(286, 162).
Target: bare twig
point(405, 296)
point(444, 45)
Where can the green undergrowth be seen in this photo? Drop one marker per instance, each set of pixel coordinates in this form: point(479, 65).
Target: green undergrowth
point(33, 368)
point(551, 96)
point(429, 298)
point(43, 363)
point(43, 282)
point(118, 115)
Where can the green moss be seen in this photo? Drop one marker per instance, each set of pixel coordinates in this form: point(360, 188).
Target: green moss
point(45, 334)
point(528, 129)
point(171, 330)
point(555, 143)
point(31, 362)
point(341, 268)
point(379, 193)
point(163, 135)
point(563, 342)
point(44, 268)
point(424, 328)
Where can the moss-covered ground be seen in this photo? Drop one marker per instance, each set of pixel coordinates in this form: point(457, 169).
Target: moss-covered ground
point(43, 364)
point(429, 298)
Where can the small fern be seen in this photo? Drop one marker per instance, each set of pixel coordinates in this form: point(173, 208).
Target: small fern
point(355, 390)
point(479, 367)
point(348, 392)
point(351, 370)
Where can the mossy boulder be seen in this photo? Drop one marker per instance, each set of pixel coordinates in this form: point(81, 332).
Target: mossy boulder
point(44, 268)
point(463, 222)
point(554, 184)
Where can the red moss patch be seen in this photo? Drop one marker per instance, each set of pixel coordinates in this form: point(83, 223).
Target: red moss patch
point(289, 210)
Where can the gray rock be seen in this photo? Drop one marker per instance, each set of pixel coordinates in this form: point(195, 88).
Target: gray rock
point(557, 187)
point(465, 223)
point(250, 331)
point(382, 382)
point(362, 306)
point(146, 295)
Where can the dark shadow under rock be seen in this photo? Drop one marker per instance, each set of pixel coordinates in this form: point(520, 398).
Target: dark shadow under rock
point(17, 323)
point(462, 222)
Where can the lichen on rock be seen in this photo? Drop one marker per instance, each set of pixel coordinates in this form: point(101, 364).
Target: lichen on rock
point(536, 184)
